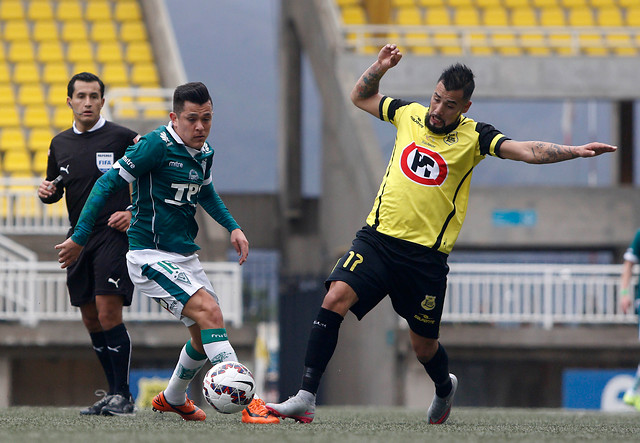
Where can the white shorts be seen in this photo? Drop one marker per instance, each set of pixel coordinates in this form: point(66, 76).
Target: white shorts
point(168, 278)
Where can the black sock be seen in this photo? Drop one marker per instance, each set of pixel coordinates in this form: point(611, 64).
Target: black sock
point(119, 346)
point(322, 342)
point(99, 342)
point(438, 370)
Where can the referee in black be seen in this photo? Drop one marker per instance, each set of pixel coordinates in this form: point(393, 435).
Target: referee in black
point(98, 282)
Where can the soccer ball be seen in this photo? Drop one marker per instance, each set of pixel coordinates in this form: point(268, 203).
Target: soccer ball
point(229, 387)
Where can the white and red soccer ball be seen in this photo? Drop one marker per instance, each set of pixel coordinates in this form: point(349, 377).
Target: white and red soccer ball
point(229, 387)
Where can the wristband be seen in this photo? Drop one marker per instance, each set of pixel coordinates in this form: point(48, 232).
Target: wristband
point(129, 208)
point(624, 292)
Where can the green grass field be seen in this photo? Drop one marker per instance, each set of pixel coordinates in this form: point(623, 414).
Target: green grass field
point(332, 424)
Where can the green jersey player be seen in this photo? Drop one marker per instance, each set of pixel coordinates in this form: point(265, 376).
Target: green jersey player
point(169, 170)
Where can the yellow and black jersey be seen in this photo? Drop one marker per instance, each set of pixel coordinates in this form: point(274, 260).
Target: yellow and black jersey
point(424, 193)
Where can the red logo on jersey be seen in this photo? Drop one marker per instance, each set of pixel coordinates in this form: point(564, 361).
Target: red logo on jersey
point(423, 166)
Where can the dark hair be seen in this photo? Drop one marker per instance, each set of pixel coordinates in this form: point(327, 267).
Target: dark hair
point(457, 77)
point(84, 77)
point(194, 92)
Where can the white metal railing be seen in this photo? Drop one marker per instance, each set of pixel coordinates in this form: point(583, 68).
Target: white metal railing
point(535, 293)
point(35, 291)
point(22, 212)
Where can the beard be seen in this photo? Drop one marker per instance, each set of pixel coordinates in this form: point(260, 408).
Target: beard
point(444, 130)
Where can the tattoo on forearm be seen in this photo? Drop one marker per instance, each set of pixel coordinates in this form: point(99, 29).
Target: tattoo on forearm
point(368, 84)
point(551, 152)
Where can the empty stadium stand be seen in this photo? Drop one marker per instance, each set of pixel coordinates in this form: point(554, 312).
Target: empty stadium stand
point(42, 43)
point(495, 27)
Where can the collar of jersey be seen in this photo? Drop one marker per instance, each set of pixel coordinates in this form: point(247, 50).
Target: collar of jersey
point(99, 124)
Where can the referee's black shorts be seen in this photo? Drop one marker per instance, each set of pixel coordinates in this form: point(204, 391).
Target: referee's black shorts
point(414, 277)
point(101, 268)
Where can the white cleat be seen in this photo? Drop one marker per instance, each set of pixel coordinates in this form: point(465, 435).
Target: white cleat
point(301, 407)
point(441, 407)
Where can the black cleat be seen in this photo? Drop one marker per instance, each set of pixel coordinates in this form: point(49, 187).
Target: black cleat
point(120, 405)
point(96, 408)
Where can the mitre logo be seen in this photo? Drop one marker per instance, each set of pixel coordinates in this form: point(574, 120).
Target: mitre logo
point(423, 166)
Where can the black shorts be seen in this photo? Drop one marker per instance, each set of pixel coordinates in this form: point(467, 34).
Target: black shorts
point(414, 277)
point(101, 269)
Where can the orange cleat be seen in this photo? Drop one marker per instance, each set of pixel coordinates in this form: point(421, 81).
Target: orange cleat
point(257, 412)
point(188, 411)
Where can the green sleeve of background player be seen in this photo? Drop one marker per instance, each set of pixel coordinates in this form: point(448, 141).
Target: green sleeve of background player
point(103, 188)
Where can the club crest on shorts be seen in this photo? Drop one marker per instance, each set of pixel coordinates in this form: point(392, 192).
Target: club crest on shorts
point(104, 161)
point(429, 302)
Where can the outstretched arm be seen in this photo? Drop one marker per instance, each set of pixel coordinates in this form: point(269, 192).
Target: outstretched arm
point(365, 93)
point(537, 152)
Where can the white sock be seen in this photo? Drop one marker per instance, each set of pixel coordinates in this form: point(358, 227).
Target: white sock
point(220, 351)
point(185, 371)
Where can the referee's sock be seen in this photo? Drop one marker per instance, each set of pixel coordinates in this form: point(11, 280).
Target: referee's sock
point(99, 343)
point(119, 349)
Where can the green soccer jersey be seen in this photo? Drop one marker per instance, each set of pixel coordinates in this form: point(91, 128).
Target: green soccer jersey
point(168, 181)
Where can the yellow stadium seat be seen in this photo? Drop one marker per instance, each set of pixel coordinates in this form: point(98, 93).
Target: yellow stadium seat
point(36, 116)
point(559, 41)
point(39, 10)
point(9, 116)
point(68, 10)
point(126, 11)
point(394, 3)
point(516, 3)
point(574, 4)
point(115, 75)
point(133, 32)
point(50, 51)
point(505, 43)
point(466, 16)
point(39, 139)
point(85, 66)
point(544, 3)
point(354, 15)
point(57, 94)
point(7, 96)
point(462, 3)
point(12, 139)
point(62, 117)
point(483, 4)
point(120, 109)
point(445, 43)
point(633, 16)
point(138, 52)
point(11, 10)
point(144, 74)
point(103, 31)
point(26, 72)
point(40, 159)
point(5, 76)
point(30, 94)
point(79, 51)
point(17, 161)
point(109, 52)
point(74, 31)
point(56, 72)
point(20, 51)
point(605, 3)
point(416, 41)
point(45, 30)
point(609, 16)
point(16, 30)
point(98, 10)
point(3, 57)
point(532, 42)
point(430, 3)
point(580, 16)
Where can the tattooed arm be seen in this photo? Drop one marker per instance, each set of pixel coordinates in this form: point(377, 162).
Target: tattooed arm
point(365, 93)
point(537, 152)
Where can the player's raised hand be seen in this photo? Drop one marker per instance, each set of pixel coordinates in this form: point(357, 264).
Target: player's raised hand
point(240, 244)
point(68, 252)
point(389, 56)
